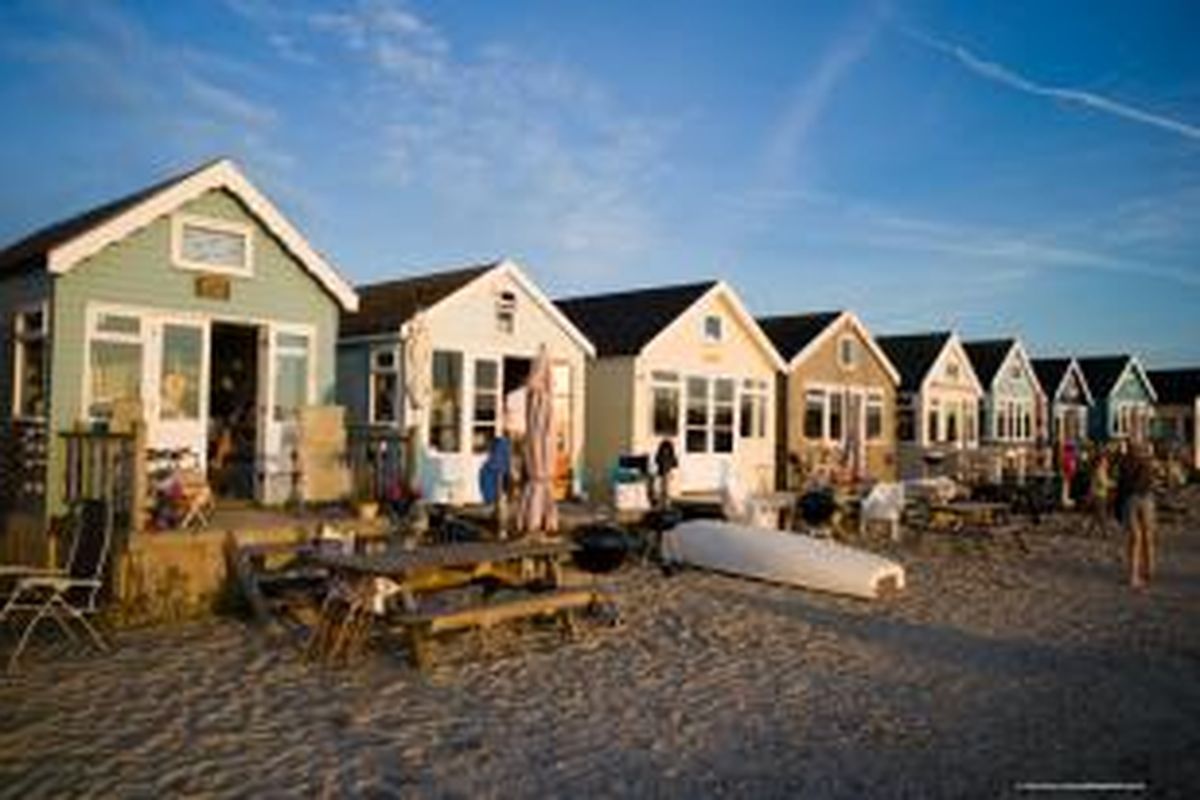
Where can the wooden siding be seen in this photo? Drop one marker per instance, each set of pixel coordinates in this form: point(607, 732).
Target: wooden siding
point(609, 420)
point(822, 369)
point(138, 271)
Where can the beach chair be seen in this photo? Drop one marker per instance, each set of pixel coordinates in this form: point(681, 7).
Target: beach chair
point(196, 499)
point(885, 503)
point(65, 595)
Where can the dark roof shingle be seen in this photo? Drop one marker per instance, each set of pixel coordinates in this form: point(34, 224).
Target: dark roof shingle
point(792, 333)
point(622, 323)
point(913, 355)
point(1050, 373)
point(1102, 373)
point(30, 251)
point(384, 307)
point(1176, 386)
point(987, 356)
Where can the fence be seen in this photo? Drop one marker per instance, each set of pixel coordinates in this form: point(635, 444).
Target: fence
point(103, 466)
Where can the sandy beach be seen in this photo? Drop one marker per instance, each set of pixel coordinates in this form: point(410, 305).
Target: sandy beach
point(994, 668)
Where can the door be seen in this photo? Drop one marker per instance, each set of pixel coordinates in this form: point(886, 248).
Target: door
point(707, 461)
point(286, 384)
point(177, 372)
point(561, 386)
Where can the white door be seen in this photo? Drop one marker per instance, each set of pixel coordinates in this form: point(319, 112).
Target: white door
point(176, 394)
point(709, 437)
point(286, 384)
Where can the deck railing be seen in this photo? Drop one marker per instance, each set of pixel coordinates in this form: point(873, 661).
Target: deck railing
point(102, 466)
point(379, 459)
point(23, 454)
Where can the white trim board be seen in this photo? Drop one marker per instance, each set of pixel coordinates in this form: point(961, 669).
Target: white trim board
point(222, 174)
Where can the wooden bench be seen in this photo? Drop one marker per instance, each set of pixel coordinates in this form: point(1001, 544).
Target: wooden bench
point(420, 627)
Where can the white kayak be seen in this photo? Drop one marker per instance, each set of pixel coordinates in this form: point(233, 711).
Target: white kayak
point(781, 557)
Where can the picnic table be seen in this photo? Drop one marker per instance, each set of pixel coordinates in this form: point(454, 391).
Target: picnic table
point(363, 586)
point(982, 517)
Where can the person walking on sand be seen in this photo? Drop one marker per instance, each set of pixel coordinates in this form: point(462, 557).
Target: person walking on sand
point(1135, 492)
point(1099, 487)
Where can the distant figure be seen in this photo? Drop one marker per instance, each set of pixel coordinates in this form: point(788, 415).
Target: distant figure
point(1136, 497)
point(665, 462)
point(1099, 489)
point(1069, 463)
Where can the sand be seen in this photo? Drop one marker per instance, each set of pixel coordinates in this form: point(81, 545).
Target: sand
point(994, 668)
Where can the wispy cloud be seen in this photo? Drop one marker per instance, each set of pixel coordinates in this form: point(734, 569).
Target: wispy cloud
point(1005, 76)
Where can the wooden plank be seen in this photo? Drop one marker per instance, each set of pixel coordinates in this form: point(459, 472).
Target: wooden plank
point(487, 615)
point(399, 563)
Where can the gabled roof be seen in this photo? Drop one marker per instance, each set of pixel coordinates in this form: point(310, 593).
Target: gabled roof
point(387, 306)
point(622, 323)
point(914, 355)
point(1176, 386)
point(987, 357)
point(1103, 373)
point(792, 333)
point(61, 246)
point(384, 307)
point(1052, 373)
point(797, 336)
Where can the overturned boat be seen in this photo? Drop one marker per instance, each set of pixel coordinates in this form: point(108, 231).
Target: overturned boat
point(781, 557)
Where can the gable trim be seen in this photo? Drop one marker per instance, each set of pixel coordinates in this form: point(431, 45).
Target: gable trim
point(819, 340)
point(740, 311)
point(1073, 366)
point(952, 343)
point(221, 175)
point(1135, 365)
point(1018, 350)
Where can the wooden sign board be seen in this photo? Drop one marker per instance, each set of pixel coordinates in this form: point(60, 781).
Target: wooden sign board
point(213, 287)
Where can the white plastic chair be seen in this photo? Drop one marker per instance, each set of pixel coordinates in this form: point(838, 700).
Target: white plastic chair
point(69, 594)
point(885, 503)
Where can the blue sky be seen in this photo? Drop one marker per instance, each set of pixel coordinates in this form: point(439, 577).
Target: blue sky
point(1017, 167)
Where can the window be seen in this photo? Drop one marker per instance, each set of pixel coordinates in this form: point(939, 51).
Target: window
point(664, 404)
point(874, 422)
point(29, 364)
point(722, 434)
point(931, 426)
point(972, 429)
point(814, 414)
point(487, 405)
point(385, 386)
point(179, 384)
point(836, 403)
point(114, 363)
point(212, 245)
point(506, 311)
point(713, 330)
point(291, 375)
point(906, 419)
point(696, 439)
point(952, 371)
point(1027, 429)
point(752, 423)
point(446, 406)
point(847, 352)
point(951, 425)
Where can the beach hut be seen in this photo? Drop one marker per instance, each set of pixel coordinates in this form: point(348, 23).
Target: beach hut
point(1013, 401)
point(1124, 397)
point(482, 326)
point(839, 404)
point(194, 305)
point(1177, 412)
point(685, 363)
point(937, 403)
point(1068, 399)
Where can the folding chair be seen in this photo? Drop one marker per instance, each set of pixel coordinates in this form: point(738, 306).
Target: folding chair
point(67, 594)
point(196, 499)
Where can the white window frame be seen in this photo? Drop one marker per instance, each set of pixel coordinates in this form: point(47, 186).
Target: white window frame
point(277, 351)
point(180, 221)
point(669, 381)
point(506, 312)
point(758, 392)
point(709, 337)
point(373, 371)
point(92, 333)
point(844, 340)
point(873, 399)
point(20, 338)
point(496, 391)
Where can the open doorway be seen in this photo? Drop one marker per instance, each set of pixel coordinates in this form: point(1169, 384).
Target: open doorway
point(233, 410)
